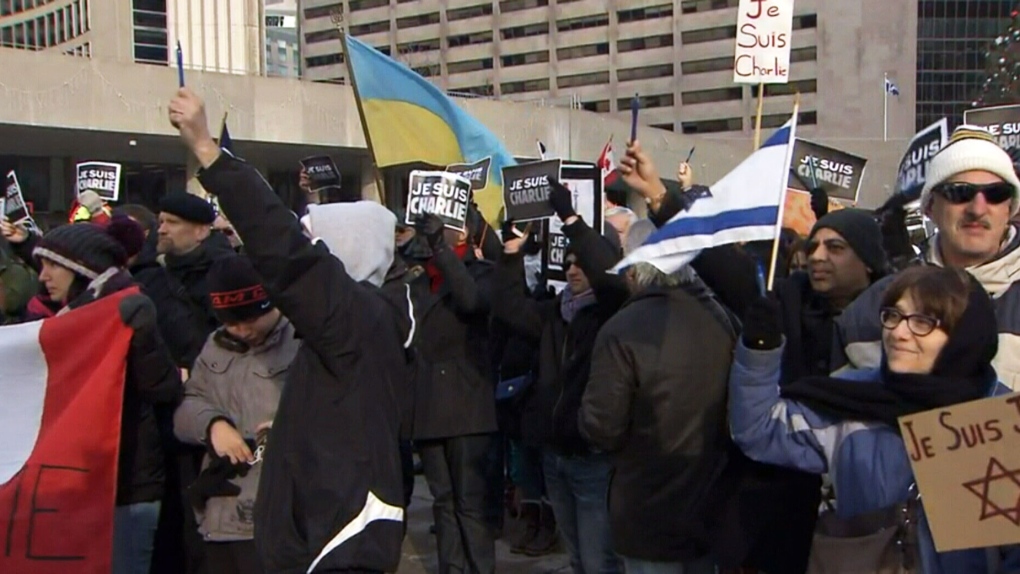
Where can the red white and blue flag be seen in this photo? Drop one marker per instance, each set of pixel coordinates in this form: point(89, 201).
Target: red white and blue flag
point(61, 391)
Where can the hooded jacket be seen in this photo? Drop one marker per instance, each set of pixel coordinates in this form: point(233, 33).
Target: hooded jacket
point(331, 492)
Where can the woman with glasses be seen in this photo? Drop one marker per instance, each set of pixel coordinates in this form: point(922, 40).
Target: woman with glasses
point(938, 340)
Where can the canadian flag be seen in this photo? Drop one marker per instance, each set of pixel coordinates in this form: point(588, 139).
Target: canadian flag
point(61, 391)
point(607, 164)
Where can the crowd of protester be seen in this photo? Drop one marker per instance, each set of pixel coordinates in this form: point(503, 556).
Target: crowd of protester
point(287, 369)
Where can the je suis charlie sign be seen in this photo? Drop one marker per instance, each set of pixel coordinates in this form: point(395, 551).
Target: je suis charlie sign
point(764, 34)
point(445, 195)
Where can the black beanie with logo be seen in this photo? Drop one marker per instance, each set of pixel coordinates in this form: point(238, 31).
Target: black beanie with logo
point(235, 290)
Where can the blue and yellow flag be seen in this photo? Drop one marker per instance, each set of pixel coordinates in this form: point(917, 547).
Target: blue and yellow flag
point(410, 120)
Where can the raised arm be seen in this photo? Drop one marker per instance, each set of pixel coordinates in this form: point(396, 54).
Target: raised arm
point(309, 286)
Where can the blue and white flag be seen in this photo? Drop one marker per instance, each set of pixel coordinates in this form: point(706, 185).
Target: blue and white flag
point(890, 87)
point(745, 205)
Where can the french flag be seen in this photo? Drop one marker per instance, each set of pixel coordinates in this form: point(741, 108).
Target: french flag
point(745, 205)
point(62, 388)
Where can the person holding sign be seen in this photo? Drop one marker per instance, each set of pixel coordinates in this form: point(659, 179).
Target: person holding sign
point(455, 408)
point(938, 341)
point(576, 477)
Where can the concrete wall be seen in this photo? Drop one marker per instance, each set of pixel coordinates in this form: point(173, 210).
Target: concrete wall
point(55, 91)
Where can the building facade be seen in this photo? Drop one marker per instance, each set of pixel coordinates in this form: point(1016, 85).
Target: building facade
point(283, 51)
point(953, 38)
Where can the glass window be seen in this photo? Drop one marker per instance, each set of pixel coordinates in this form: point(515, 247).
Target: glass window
point(711, 126)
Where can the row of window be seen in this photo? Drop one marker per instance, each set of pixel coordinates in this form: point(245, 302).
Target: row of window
point(580, 23)
point(8, 7)
point(768, 121)
point(52, 29)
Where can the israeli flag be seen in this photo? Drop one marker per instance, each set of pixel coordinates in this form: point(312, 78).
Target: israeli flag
point(890, 88)
point(745, 205)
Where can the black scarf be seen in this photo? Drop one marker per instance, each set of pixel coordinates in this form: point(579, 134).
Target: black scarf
point(962, 373)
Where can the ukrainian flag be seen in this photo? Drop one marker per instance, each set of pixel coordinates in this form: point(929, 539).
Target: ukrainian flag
point(410, 120)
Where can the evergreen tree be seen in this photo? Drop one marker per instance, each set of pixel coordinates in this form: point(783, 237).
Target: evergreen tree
point(1002, 71)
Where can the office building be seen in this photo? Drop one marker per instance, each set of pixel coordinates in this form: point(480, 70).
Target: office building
point(953, 38)
point(283, 52)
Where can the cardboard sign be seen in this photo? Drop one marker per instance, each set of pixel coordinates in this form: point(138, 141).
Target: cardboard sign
point(1003, 122)
point(101, 177)
point(797, 213)
point(15, 209)
point(526, 190)
point(966, 459)
point(764, 35)
point(914, 165)
point(477, 173)
point(322, 172)
point(839, 173)
point(584, 181)
point(445, 195)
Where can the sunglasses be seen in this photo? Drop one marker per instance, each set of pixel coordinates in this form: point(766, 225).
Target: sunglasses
point(918, 324)
point(961, 192)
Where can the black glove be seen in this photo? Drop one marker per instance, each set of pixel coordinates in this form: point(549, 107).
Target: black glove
point(214, 482)
point(763, 325)
point(561, 200)
point(431, 228)
point(138, 312)
point(507, 231)
point(819, 202)
point(895, 236)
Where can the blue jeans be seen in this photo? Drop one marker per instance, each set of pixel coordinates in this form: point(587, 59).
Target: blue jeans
point(134, 528)
point(578, 487)
point(700, 566)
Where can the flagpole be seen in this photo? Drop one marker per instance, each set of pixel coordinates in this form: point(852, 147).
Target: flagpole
point(782, 202)
point(337, 17)
point(223, 125)
point(757, 118)
point(885, 111)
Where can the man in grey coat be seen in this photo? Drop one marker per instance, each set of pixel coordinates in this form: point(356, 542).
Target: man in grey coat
point(230, 399)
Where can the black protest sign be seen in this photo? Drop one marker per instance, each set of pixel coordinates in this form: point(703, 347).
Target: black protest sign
point(322, 172)
point(445, 195)
point(101, 177)
point(477, 173)
point(15, 210)
point(837, 172)
point(584, 180)
point(1003, 122)
point(526, 190)
point(914, 165)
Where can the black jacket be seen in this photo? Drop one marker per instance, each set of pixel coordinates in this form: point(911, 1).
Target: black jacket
point(181, 323)
point(151, 381)
point(188, 274)
point(657, 401)
point(455, 397)
point(332, 454)
point(549, 416)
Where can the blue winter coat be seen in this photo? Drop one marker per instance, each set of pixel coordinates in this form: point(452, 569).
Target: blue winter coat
point(867, 462)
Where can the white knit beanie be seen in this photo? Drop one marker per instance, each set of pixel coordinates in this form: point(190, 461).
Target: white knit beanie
point(971, 148)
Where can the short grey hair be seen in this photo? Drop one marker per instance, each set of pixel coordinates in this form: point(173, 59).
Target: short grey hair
point(621, 210)
point(646, 275)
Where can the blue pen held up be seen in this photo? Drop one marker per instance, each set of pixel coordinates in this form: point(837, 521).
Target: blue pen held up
point(180, 65)
point(635, 105)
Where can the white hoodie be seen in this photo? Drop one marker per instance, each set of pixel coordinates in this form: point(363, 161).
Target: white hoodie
point(359, 234)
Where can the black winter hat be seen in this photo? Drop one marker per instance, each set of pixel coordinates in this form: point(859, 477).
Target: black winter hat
point(859, 228)
point(188, 207)
point(84, 248)
point(236, 291)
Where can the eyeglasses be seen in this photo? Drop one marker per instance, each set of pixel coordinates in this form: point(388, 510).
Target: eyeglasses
point(961, 192)
point(920, 325)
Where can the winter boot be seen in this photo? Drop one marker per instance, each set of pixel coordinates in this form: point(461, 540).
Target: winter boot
point(547, 538)
point(530, 515)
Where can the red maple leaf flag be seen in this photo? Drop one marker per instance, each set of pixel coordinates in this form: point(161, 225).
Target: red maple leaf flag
point(61, 391)
point(607, 164)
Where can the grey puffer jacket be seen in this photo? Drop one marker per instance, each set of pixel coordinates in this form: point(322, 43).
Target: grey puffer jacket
point(243, 387)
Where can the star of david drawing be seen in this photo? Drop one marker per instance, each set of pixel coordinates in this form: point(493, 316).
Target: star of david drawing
point(996, 471)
